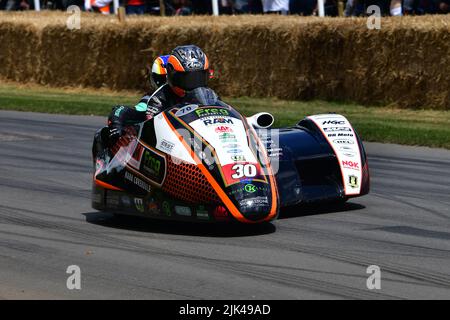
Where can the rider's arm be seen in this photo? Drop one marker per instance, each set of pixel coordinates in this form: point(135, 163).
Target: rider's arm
point(152, 104)
point(123, 116)
point(142, 105)
point(148, 107)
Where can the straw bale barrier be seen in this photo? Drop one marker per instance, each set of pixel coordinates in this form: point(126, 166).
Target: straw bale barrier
point(407, 62)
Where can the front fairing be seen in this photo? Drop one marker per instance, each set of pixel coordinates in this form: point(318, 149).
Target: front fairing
point(233, 159)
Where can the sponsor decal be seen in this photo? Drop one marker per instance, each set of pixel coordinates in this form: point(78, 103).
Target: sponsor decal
point(153, 166)
point(238, 158)
point(250, 188)
point(349, 154)
point(152, 206)
point(350, 164)
point(275, 155)
point(156, 101)
point(345, 135)
point(151, 111)
point(203, 112)
point(228, 140)
point(254, 202)
point(209, 122)
point(139, 204)
point(118, 111)
point(183, 211)
point(353, 181)
point(333, 129)
point(340, 135)
point(126, 201)
point(231, 146)
point(202, 213)
point(223, 129)
point(165, 208)
point(186, 109)
point(138, 182)
point(227, 137)
point(343, 141)
point(275, 152)
point(234, 151)
point(166, 146)
point(333, 122)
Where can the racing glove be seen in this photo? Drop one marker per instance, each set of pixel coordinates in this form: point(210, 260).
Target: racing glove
point(122, 116)
point(115, 132)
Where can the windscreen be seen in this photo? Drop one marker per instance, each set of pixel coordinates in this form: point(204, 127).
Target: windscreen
point(202, 96)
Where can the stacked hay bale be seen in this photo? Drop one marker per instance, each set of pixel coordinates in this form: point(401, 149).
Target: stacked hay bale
point(406, 62)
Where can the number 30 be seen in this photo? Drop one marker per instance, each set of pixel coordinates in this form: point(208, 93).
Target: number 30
point(244, 170)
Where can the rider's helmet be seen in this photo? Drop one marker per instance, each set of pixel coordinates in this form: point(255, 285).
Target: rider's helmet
point(187, 69)
point(159, 72)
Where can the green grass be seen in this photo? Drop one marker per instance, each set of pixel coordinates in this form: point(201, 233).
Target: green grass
point(59, 101)
point(381, 124)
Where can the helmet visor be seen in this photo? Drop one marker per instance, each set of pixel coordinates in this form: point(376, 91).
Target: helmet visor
point(190, 80)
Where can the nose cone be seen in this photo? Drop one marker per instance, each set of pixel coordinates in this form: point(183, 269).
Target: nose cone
point(255, 209)
point(253, 200)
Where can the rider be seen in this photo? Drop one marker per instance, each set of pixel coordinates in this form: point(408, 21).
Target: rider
point(159, 72)
point(187, 69)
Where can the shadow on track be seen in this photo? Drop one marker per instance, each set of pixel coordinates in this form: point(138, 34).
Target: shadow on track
point(316, 209)
point(211, 229)
point(176, 227)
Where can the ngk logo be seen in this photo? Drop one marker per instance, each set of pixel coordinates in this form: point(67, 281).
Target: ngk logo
point(350, 164)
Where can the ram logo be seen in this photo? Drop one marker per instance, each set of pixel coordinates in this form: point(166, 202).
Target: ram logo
point(217, 120)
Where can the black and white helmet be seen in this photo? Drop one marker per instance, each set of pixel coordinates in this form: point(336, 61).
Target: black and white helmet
point(187, 69)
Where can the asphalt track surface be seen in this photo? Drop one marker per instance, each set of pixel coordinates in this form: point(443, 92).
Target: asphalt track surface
point(47, 224)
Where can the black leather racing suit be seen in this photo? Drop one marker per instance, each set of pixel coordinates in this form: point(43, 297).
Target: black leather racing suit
point(150, 105)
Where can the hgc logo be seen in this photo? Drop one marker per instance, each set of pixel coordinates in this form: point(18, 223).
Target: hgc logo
point(333, 122)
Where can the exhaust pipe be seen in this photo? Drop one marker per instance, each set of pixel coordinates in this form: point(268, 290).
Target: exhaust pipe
point(262, 120)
